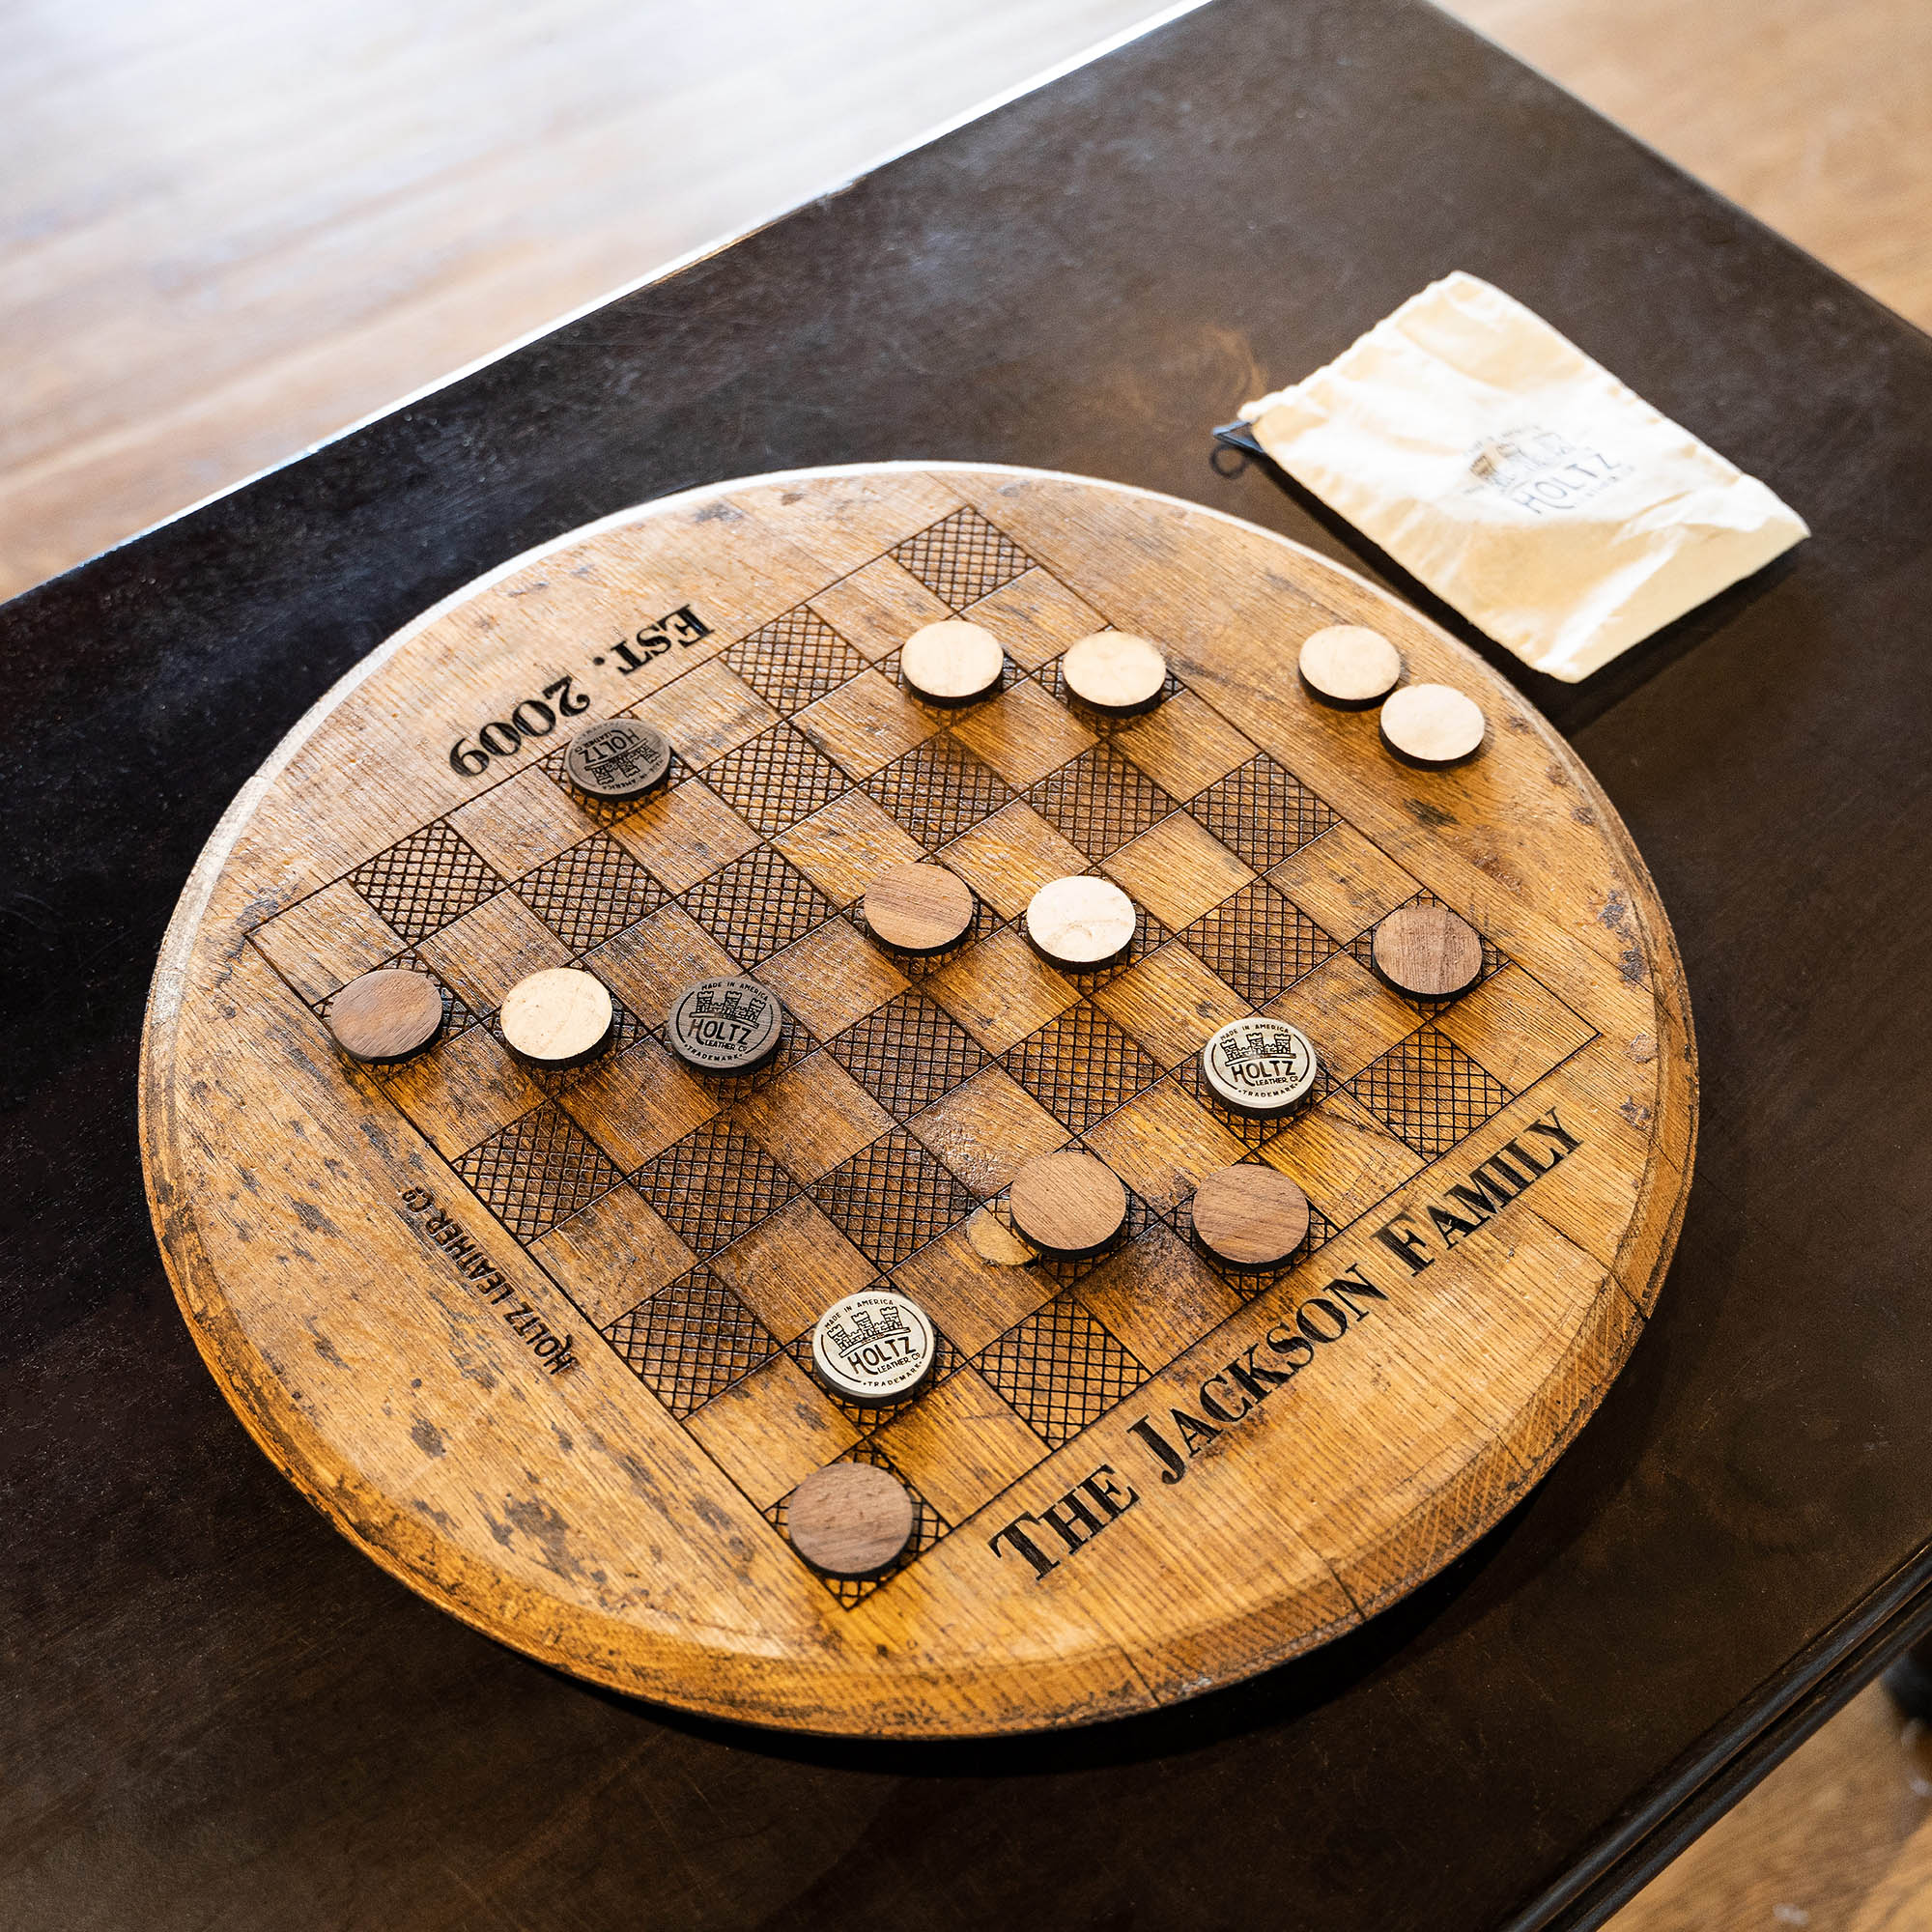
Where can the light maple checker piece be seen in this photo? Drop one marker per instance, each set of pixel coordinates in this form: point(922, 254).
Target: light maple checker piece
point(538, 1330)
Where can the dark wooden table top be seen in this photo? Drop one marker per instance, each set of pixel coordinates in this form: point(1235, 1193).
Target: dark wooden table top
point(218, 1713)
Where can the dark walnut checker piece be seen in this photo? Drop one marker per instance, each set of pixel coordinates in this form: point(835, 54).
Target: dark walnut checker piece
point(598, 1282)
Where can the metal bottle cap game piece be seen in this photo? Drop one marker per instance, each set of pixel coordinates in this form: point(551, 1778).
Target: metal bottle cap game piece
point(725, 1026)
point(618, 760)
point(1258, 1066)
point(874, 1347)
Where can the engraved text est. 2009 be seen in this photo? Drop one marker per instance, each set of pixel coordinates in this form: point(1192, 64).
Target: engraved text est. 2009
point(535, 717)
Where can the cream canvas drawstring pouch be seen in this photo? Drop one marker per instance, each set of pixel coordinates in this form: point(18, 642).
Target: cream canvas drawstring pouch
point(1520, 481)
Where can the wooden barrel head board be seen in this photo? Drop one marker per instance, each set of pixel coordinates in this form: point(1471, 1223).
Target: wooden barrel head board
point(539, 1339)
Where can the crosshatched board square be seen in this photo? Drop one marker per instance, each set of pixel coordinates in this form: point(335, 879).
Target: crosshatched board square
point(1428, 1092)
point(1081, 1066)
point(424, 881)
point(690, 1340)
point(776, 779)
point(756, 905)
point(1262, 811)
point(1257, 942)
point(1061, 1370)
point(908, 1053)
point(892, 1198)
point(794, 660)
point(590, 892)
point(962, 558)
point(1100, 801)
point(539, 1171)
point(939, 789)
point(714, 1186)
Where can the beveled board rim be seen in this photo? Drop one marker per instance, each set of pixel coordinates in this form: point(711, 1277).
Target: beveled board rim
point(692, 1673)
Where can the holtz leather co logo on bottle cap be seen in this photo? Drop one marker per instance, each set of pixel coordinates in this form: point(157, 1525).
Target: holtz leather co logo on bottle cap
point(724, 1026)
point(1258, 1066)
point(873, 1347)
point(617, 760)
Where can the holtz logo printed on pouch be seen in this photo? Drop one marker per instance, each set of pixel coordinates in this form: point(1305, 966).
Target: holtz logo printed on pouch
point(1519, 480)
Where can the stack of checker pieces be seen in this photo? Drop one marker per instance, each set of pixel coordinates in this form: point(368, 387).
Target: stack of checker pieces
point(700, 1224)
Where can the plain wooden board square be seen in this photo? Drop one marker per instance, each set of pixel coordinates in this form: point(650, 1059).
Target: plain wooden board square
point(706, 713)
point(1164, 1144)
point(832, 978)
point(1157, 1296)
point(865, 723)
point(1170, 1002)
point(1177, 870)
point(770, 1430)
point(812, 1117)
point(1023, 733)
point(1035, 617)
point(999, 992)
point(332, 937)
point(636, 1103)
point(1344, 1159)
point(519, 823)
point(649, 965)
point(1348, 1014)
point(961, 1444)
point(986, 1128)
point(870, 515)
point(877, 609)
point(1342, 882)
point(486, 952)
point(1006, 858)
point(1184, 744)
point(972, 1299)
point(793, 1266)
point(464, 1089)
point(1515, 1027)
point(613, 1253)
point(684, 835)
point(845, 845)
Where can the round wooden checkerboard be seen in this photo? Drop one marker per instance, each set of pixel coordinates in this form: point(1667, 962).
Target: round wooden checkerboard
point(539, 1342)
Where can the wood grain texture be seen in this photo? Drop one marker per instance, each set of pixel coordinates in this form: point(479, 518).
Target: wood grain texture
point(199, 287)
point(919, 909)
point(1069, 1205)
point(1488, 1249)
point(387, 1015)
point(1427, 951)
point(1250, 1216)
point(850, 1518)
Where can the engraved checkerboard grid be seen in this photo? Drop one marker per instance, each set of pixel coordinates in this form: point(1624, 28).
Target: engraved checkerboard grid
point(1059, 1367)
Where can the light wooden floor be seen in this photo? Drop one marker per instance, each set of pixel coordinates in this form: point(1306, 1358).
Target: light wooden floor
point(227, 229)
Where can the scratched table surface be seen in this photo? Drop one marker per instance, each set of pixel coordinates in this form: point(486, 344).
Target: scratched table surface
point(219, 1713)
